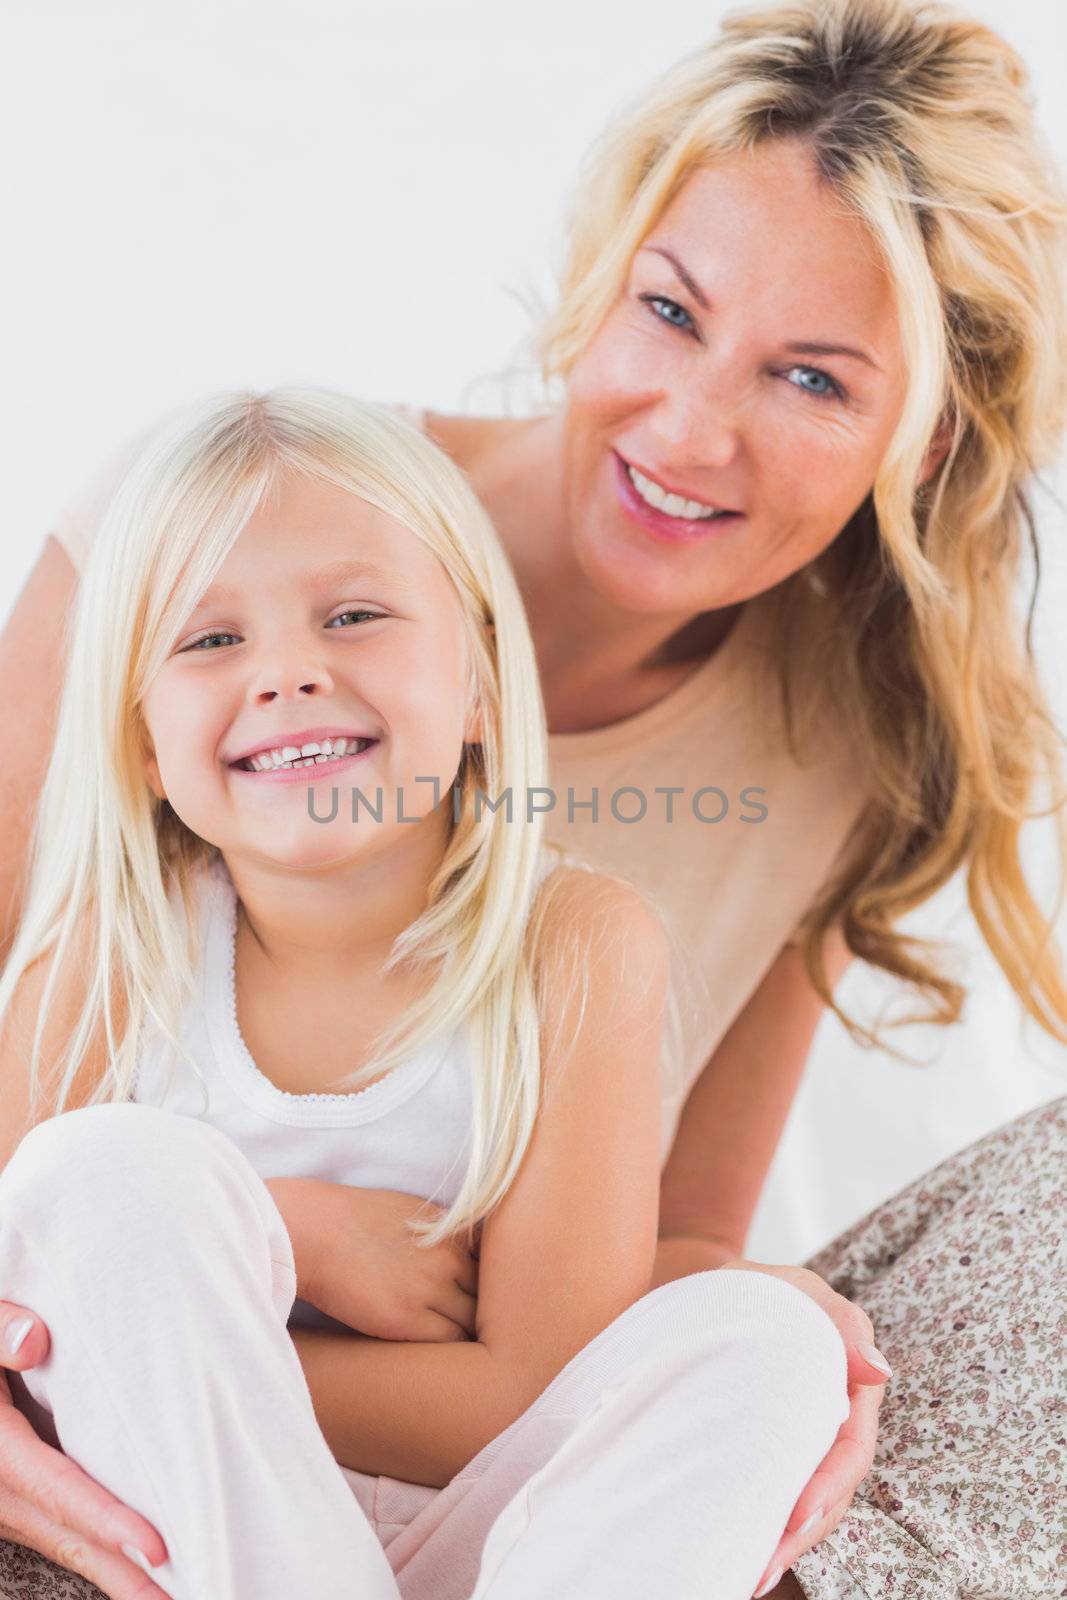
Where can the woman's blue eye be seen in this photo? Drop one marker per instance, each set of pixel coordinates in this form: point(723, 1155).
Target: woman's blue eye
point(831, 386)
point(676, 315)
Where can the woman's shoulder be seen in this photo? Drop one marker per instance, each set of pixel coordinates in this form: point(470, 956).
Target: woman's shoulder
point(470, 441)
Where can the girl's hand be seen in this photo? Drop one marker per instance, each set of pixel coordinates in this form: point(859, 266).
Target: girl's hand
point(47, 1502)
point(357, 1262)
point(829, 1494)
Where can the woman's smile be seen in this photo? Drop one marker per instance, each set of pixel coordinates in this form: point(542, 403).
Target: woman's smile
point(749, 363)
point(664, 513)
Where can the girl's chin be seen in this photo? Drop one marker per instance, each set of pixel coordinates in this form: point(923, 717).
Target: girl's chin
point(312, 858)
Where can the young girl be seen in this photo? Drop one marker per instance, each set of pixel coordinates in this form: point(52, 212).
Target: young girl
point(295, 960)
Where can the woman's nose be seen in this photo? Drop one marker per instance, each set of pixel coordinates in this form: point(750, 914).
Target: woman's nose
point(693, 429)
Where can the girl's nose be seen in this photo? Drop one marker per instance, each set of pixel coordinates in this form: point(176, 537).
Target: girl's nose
point(288, 673)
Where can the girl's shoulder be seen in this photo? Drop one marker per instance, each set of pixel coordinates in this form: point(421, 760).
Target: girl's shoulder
point(600, 961)
point(584, 913)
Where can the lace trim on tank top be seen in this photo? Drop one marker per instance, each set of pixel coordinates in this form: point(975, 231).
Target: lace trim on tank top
point(316, 1108)
point(325, 1108)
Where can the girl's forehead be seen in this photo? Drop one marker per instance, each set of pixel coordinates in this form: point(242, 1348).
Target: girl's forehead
point(312, 538)
point(309, 523)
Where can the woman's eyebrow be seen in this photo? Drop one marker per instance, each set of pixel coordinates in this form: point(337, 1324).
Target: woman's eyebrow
point(686, 277)
point(833, 350)
point(798, 347)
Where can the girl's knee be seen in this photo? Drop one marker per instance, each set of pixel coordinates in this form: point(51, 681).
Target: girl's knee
point(138, 1154)
point(147, 1202)
point(768, 1321)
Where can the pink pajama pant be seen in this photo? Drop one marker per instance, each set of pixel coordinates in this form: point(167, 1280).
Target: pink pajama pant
point(662, 1461)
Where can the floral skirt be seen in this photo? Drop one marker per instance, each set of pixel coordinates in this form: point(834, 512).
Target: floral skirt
point(964, 1276)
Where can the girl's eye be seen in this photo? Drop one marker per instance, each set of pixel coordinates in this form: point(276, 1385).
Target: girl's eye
point(205, 639)
point(373, 615)
point(672, 312)
point(823, 387)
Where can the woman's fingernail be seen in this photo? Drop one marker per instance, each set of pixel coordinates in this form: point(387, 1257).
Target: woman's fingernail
point(872, 1354)
point(772, 1583)
point(812, 1522)
point(16, 1334)
point(138, 1557)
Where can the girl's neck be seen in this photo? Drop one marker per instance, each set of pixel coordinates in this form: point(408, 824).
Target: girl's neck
point(338, 922)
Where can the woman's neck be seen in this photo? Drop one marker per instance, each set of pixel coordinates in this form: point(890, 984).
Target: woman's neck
point(598, 661)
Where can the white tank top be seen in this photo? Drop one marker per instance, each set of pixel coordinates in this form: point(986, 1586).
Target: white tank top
point(408, 1132)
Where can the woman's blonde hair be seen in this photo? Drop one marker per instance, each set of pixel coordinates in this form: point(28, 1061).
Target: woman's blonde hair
point(921, 121)
point(112, 866)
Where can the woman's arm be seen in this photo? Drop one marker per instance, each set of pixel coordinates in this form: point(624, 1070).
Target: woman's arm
point(33, 649)
point(727, 1136)
point(569, 1247)
point(734, 1115)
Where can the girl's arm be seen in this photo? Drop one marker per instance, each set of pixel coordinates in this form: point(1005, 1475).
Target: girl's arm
point(572, 1243)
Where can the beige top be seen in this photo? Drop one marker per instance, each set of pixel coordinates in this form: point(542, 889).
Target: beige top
point(731, 891)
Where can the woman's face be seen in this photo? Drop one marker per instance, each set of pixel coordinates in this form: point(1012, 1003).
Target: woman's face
point(327, 619)
point(750, 364)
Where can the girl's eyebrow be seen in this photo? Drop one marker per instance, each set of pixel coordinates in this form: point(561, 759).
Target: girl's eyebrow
point(800, 348)
point(324, 578)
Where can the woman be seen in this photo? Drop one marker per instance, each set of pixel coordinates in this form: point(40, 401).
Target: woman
point(810, 346)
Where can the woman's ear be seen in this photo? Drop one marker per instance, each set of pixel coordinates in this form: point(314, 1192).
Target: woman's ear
point(937, 450)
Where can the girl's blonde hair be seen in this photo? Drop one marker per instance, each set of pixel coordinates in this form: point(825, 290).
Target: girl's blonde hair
point(109, 861)
point(921, 121)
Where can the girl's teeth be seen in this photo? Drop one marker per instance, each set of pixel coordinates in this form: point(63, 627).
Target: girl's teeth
point(308, 755)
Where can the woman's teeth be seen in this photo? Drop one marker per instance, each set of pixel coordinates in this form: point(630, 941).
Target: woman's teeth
point(672, 504)
point(308, 755)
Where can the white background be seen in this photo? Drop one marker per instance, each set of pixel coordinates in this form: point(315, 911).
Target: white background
point(369, 195)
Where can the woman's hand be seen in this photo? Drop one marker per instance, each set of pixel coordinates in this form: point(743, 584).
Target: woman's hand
point(829, 1493)
point(47, 1502)
point(357, 1262)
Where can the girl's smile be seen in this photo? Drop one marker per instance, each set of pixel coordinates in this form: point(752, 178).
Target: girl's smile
point(313, 769)
point(299, 752)
point(329, 647)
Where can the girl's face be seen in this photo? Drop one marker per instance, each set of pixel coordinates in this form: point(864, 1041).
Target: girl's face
point(328, 618)
point(750, 364)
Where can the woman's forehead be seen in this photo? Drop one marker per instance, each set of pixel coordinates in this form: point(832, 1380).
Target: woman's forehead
point(760, 228)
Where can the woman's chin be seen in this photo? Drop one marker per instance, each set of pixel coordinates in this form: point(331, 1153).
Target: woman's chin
point(648, 579)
